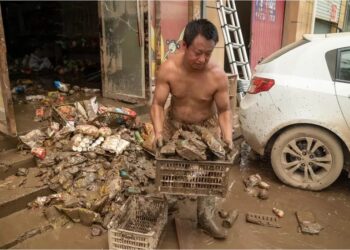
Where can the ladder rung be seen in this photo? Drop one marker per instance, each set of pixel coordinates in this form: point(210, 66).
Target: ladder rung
point(231, 27)
point(235, 45)
point(228, 9)
point(239, 63)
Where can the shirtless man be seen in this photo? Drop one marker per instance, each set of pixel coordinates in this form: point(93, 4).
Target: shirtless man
point(199, 95)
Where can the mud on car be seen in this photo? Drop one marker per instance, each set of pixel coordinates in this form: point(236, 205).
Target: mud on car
point(297, 110)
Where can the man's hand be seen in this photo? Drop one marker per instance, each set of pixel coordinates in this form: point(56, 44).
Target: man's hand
point(232, 153)
point(158, 140)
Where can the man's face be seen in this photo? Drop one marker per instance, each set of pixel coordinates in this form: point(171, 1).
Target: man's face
point(199, 52)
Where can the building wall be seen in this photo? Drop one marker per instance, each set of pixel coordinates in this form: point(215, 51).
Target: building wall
point(297, 20)
point(267, 29)
point(211, 13)
point(344, 7)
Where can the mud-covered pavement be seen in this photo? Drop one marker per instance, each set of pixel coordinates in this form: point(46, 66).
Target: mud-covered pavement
point(331, 208)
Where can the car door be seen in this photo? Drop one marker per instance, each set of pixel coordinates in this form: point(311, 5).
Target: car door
point(342, 81)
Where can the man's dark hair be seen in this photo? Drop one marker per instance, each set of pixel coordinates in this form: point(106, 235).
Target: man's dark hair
point(200, 27)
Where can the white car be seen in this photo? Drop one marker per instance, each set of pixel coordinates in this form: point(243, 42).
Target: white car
point(297, 109)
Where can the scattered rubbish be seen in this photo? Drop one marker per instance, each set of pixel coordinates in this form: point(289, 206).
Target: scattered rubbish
point(92, 166)
point(115, 144)
point(81, 215)
point(63, 87)
point(35, 97)
point(96, 230)
point(230, 219)
point(138, 137)
point(263, 194)
point(252, 180)
point(262, 219)
point(263, 185)
point(39, 152)
point(91, 107)
point(22, 172)
point(256, 187)
point(39, 114)
point(19, 89)
point(34, 138)
point(278, 212)
point(307, 222)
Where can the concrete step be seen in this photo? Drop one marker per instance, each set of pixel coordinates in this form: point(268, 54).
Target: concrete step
point(22, 225)
point(17, 191)
point(11, 160)
point(72, 236)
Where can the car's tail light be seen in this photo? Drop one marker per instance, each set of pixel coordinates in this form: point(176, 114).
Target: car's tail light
point(259, 84)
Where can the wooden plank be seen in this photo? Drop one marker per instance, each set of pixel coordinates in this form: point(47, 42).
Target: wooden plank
point(5, 85)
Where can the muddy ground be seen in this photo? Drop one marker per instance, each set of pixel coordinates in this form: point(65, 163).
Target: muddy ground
point(331, 208)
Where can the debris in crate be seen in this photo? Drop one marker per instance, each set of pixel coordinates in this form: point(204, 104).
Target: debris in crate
point(196, 143)
point(189, 151)
point(168, 149)
point(262, 219)
point(307, 222)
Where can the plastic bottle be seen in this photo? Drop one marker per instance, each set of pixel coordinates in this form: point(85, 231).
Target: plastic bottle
point(19, 89)
point(61, 86)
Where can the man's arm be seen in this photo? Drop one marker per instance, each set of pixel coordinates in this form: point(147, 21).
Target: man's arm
point(222, 102)
point(161, 94)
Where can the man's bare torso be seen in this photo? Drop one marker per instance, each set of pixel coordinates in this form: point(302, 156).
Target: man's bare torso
point(192, 92)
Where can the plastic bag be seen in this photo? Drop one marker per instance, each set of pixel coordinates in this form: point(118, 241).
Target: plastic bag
point(91, 107)
point(34, 138)
point(115, 144)
point(105, 131)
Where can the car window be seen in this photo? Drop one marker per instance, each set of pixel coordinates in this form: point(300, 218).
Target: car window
point(343, 71)
point(284, 50)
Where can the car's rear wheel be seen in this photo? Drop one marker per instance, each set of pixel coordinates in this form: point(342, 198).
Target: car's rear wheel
point(307, 157)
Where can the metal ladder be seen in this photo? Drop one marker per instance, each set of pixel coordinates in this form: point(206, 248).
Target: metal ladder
point(235, 49)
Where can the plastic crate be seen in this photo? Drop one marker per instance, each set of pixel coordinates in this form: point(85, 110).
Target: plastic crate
point(199, 178)
point(139, 225)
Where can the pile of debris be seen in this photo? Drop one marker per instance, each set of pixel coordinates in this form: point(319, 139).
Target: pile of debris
point(91, 167)
point(196, 143)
